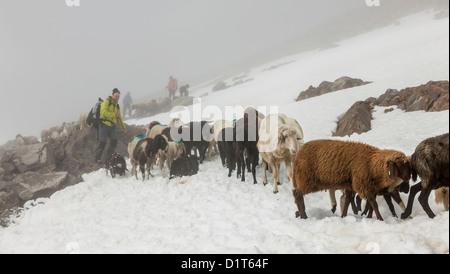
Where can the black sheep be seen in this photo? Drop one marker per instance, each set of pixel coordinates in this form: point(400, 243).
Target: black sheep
point(226, 149)
point(184, 166)
point(115, 164)
point(194, 134)
point(430, 161)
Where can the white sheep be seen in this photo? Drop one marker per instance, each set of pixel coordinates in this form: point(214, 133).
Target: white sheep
point(174, 151)
point(278, 142)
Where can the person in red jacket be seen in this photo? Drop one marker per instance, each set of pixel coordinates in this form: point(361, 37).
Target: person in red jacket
point(172, 87)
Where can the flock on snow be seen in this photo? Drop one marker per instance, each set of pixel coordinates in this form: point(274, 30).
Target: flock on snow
point(359, 170)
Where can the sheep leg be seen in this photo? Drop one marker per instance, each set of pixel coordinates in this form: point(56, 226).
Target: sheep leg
point(348, 195)
point(358, 203)
point(142, 168)
point(275, 169)
point(162, 159)
point(210, 147)
point(222, 153)
point(264, 166)
point(331, 193)
point(412, 193)
point(388, 199)
point(243, 169)
point(239, 166)
point(288, 164)
point(254, 172)
point(353, 204)
point(368, 209)
point(300, 202)
point(396, 196)
point(374, 205)
point(423, 200)
point(134, 170)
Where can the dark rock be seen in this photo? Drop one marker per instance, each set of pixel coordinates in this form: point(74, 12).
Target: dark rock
point(432, 96)
point(28, 172)
point(326, 87)
point(355, 120)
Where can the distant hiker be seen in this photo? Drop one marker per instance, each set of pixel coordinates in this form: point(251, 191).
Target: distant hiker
point(127, 102)
point(184, 90)
point(110, 116)
point(172, 87)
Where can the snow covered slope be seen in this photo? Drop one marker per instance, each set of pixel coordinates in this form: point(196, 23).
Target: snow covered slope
point(211, 213)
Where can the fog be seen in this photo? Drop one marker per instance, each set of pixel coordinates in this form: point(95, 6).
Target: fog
point(55, 60)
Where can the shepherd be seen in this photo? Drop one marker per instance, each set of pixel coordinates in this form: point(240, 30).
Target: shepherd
point(110, 116)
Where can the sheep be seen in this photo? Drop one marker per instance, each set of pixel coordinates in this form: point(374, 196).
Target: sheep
point(216, 127)
point(184, 166)
point(194, 134)
point(216, 130)
point(430, 162)
point(158, 128)
point(44, 135)
point(83, 120)
point(152, 124)
point(245, 138)
point(226, 148)
point(174, 151)
point(352, 166)
point(143, 150)
point(278, 142)
point(441, 197)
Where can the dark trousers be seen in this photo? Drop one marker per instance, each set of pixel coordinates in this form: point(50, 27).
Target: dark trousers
point(105, 132)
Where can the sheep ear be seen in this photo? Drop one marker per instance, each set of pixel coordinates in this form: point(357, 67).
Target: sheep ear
point(392, 170)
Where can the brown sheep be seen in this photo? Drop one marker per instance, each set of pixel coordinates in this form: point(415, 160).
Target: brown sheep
point(430, 161)
point(332, 164)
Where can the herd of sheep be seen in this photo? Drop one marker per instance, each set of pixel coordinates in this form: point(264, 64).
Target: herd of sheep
point(359, 170)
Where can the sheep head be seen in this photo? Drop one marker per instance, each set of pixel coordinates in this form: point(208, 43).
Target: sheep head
point(287, 138)
point(399, 170)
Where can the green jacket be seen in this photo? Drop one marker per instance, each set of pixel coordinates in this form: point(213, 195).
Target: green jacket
point(108, 110)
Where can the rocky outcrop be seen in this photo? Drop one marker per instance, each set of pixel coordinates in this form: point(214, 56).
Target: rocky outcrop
point(432, 96)
point(326, 87)
point(356, 120)
point(31, 171)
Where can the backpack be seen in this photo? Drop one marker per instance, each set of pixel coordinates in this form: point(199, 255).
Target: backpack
point(93, 118)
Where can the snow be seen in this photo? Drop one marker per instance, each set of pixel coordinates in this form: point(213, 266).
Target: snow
point(212, 213)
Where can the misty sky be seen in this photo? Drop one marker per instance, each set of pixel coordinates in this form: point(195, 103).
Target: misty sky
point(56, 60)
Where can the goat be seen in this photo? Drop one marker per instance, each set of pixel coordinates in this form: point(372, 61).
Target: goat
point(352, 166)
point(278, 142)
point(430, 162)
point(143, 151)
point(115, 164)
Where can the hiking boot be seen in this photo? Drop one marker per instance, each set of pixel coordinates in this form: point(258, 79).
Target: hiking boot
point(99, 152)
